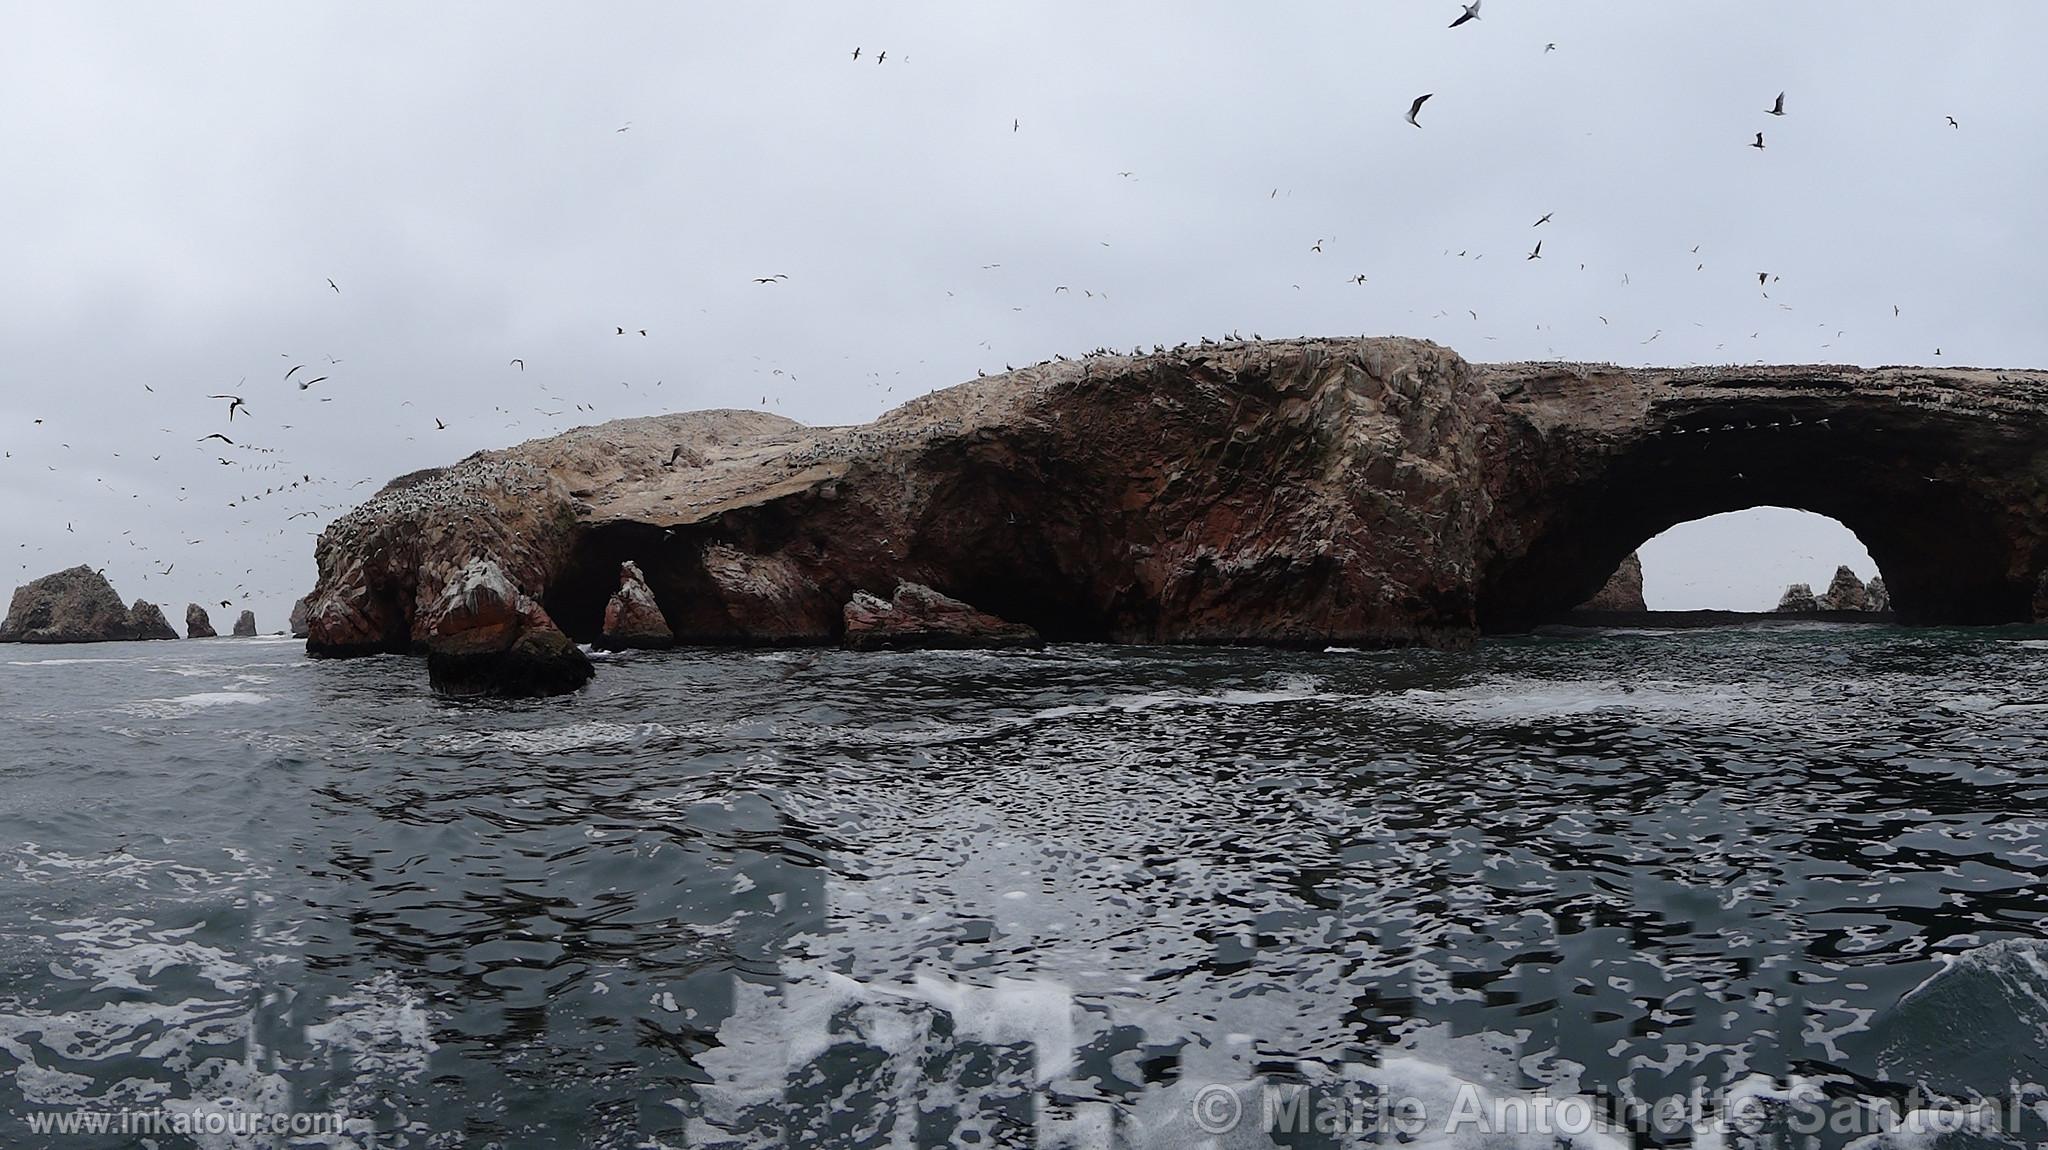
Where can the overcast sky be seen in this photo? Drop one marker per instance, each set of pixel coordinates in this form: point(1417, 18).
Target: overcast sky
point(182, 181)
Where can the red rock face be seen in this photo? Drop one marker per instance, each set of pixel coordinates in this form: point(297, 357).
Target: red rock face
point(917, 616)
point(633, 620)
point(486, 637)
point(1363, 492)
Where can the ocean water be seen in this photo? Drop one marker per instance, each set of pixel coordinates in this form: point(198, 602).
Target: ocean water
point(1092, 896)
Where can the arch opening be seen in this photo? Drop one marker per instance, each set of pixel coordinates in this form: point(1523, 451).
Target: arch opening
point(1751, 560)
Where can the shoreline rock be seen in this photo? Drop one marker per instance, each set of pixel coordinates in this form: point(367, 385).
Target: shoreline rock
point(1845, 593)
point(486, 638)
point(1798, 597)
point(198, 625)
point(301, 616)
point(1358, 492)
point(918, 617)
point(245, 626)
point(632, 619)
point(78, 605)
point(1623, 590)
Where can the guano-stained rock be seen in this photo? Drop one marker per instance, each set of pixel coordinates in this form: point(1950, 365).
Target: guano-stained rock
point(78, 605)
point(198, 625)
point(1364, 492)
point(633, 620)
point(1845, 593)
point(485, 637)
point(918, 617)
point(1798, 597)
point(1878, 599)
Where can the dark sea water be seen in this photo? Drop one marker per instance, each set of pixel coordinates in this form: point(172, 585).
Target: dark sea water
point(828, 899)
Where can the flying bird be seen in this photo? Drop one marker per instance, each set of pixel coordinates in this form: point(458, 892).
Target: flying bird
point(1549, 48)
point(1761, 277)
point(1536, 254)
point(1014, 123)
point(288, 374)
point(856, 53)
point(1777, 109)
point(234, 401)
point(310, 382)
point(1358, 279)
point(439, 426)
point(520, 363)
point(881, 57)
point(219, 436)
point(770, 279)
point(1952, 122)
point(1470, 13)
point(1417, 107)
point(1544, 220)
point(619, 330)
point(337, 289)
point(1759, 142)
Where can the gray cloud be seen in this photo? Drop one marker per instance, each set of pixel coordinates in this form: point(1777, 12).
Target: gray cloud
point(184, 180)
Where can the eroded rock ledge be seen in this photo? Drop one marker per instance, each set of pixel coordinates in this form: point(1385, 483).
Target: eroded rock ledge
point(1363, 492)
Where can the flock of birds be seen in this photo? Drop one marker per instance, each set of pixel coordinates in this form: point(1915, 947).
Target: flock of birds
point(269, 475)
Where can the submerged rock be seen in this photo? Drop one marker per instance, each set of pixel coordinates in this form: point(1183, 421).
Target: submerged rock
point(917, 616)
point(198, 625)
point(632, 620)
point(484, 637)
point(245, 626)
point(1798, 597)
point(78, 605)
point(1845, 593)
point(1624, 589)
point(301, 617)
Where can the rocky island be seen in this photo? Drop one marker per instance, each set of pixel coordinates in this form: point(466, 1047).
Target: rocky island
point(78, 605)
point(1363, 492)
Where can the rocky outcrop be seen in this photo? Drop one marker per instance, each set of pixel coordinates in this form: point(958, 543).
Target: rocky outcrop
point(302, 615)
point(245, 625)
point(1798, 597)
point(1363, 492)
point(918, 617)
point(1877, 598)
point(146, 621)
point(632, 620)
point(1845, 593)
point(484, 637)
point(1623, 590)
point(198, 625)
point(78, 605)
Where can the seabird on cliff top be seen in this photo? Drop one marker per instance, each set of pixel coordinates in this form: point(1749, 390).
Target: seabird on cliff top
point(1471, 13)
point(1417, 107)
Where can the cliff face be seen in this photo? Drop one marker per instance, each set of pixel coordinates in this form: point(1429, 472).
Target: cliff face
point(1363, 492)
point(1305, 492)
point(78, 605)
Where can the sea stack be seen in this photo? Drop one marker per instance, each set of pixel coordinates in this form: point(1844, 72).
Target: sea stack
point(78, 605)
point(1798, 597)
point(632, 619)
point(198, 625)
point(245, 627)
point(301, 614)
point(1845, 593)
point(1624, 589)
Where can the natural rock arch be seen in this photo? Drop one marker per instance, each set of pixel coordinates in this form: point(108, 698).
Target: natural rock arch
point(1942, 481)
point(1356, 491)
